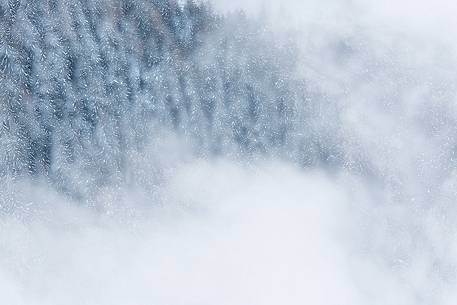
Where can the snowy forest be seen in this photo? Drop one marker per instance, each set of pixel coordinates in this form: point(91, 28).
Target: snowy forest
point(228, 152)
point(85, 82)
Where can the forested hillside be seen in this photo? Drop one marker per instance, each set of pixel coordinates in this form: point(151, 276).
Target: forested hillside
point(85, 82)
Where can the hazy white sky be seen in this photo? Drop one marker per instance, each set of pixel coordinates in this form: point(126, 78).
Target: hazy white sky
point(423, 15)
